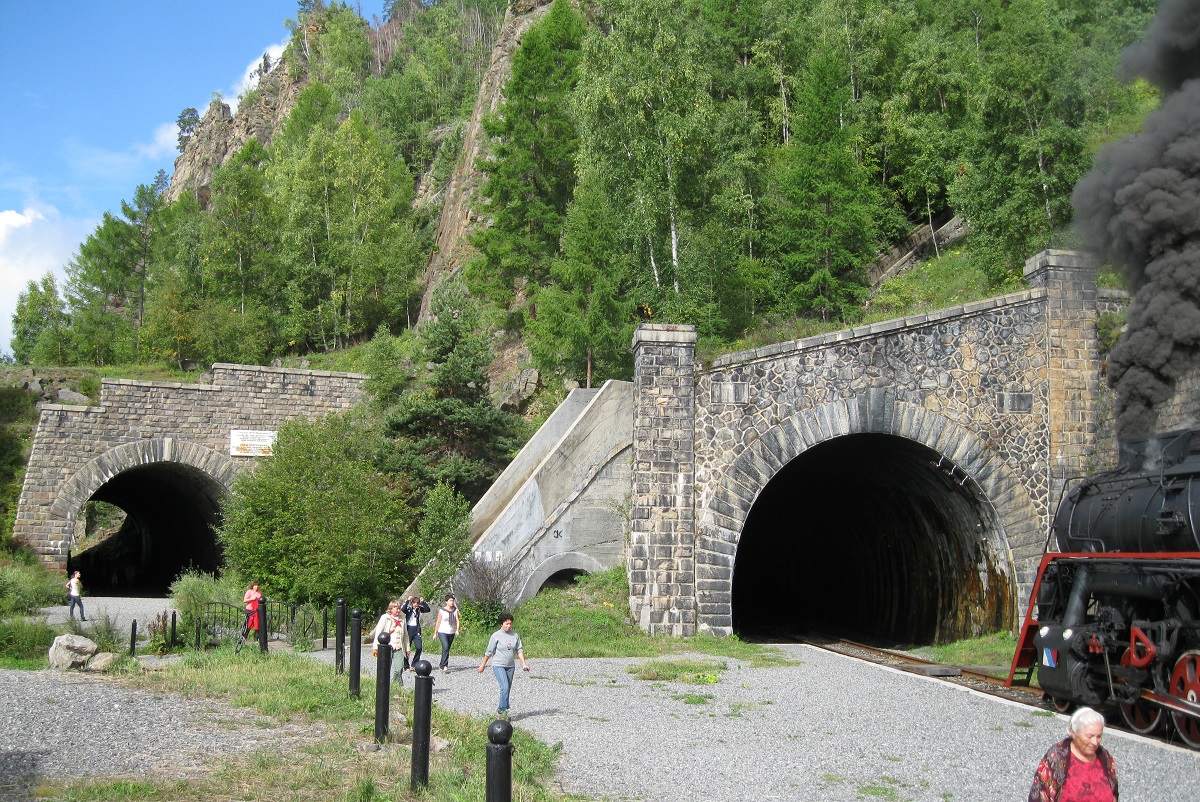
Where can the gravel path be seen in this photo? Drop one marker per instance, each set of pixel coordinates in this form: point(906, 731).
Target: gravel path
point(828, 729)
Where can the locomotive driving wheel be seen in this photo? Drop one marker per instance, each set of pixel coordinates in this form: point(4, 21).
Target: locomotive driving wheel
point(1185, 683)
point(1140, 716)
point(1063, 706)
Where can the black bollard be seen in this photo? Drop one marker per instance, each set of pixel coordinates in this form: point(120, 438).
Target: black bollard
point(383, 682)
point(355, 651)
point(324, 628)
point(133, 639)
point(422, 716)
point(499, 762)
point(339, 637)
point(263, 632)
point(173, 614)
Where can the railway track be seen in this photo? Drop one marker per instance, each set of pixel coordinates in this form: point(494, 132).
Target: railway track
point(968, 677)
point(957, 675)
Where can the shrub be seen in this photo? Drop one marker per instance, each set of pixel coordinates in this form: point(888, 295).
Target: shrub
point(158, 633)
point(23, 639)
point(194, 589)
point(25, 588)
point(105, 632)
point(479, 616)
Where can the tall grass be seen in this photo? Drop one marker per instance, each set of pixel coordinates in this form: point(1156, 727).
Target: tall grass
point(24, 643)
point(27, 587)
point(995, 650)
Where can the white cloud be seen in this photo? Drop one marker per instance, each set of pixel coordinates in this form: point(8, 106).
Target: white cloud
point(166, 142)
point(250, 75)
point(33, 241)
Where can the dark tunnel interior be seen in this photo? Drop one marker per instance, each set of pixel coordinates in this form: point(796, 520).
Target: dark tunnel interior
point(171, 514)
point(871, 537)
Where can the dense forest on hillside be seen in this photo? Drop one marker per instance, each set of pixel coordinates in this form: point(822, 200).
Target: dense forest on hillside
point(715, 162)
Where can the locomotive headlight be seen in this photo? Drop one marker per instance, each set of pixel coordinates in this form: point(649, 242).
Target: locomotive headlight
point(1043, 632)
point(1067, 633)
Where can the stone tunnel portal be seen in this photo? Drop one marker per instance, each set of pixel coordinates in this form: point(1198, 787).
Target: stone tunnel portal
point(872, 537)
point(171, 514)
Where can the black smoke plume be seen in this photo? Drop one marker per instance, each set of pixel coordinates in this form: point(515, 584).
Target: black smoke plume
point(1139, 207)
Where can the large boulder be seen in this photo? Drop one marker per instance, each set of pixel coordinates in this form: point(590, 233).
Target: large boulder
point(71, 651)
point(68, 396)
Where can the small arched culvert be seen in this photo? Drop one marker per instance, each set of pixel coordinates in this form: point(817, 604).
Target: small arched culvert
point(565, 564)
point(172, 511)
point(875, 537)
point(562, 579)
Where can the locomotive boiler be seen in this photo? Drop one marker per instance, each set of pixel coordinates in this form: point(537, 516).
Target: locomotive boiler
point(1114, 618)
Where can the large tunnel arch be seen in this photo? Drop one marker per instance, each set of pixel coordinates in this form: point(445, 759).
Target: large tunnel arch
point(171, 495)
point(872, 536)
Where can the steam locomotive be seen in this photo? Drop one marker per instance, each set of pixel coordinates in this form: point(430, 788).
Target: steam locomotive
point(1114, 618)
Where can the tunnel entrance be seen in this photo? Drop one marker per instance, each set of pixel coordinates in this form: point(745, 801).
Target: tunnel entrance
point(171, 514)
point(872, 537)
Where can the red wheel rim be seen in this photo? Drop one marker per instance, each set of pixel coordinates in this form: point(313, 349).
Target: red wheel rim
point(1185, 683)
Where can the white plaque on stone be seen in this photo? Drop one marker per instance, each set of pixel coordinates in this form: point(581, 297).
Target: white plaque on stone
point(251, 443)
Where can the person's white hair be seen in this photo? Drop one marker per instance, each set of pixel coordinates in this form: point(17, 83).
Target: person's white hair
point(1083, 717)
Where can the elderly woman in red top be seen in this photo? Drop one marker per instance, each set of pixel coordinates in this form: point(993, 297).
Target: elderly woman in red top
point(1078, 768)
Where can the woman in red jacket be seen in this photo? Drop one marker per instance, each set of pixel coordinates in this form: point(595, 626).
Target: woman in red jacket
point(251, 601)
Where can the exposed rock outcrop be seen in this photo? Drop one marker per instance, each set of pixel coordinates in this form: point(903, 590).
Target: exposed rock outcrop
point(220, 133)
point(453, 249)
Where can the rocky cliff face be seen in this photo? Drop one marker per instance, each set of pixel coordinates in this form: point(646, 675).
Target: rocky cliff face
point(221, 133)
point(458, 220)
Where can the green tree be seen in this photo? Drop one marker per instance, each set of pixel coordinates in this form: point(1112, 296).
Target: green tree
point(531, 174)
point(99, 295)
point(141, 216)
point(825, 211)
point(349, 245)
point(644, 114)
point(39, 324)
point(444, 428)
point(585, 321)
point(187, 121)
point(443, 538)
point(317, 521)
point(243, 232)
point(1026, 146)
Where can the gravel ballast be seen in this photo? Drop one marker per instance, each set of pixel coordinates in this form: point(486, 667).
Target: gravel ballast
point(828, 728)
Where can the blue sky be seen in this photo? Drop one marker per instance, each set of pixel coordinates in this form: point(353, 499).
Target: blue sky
point(89, 94)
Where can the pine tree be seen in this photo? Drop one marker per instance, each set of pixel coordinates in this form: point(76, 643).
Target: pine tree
point(444, 428)
point(531, 175)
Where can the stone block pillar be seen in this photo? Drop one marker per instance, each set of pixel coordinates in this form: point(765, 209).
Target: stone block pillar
point(662, 562)
point(1072, 363)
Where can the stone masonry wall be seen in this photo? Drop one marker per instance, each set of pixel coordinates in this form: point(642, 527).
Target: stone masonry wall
point(661, 549)
point(1073, 360)
point(141, 422)
point(964, 381)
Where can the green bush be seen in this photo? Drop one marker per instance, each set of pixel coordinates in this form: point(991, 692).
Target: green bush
point(24, 639)
point(194, 589)
point(26, 588)
point(158, 634)
point(106, 632)
point(1109, 327)
point(480, 616)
